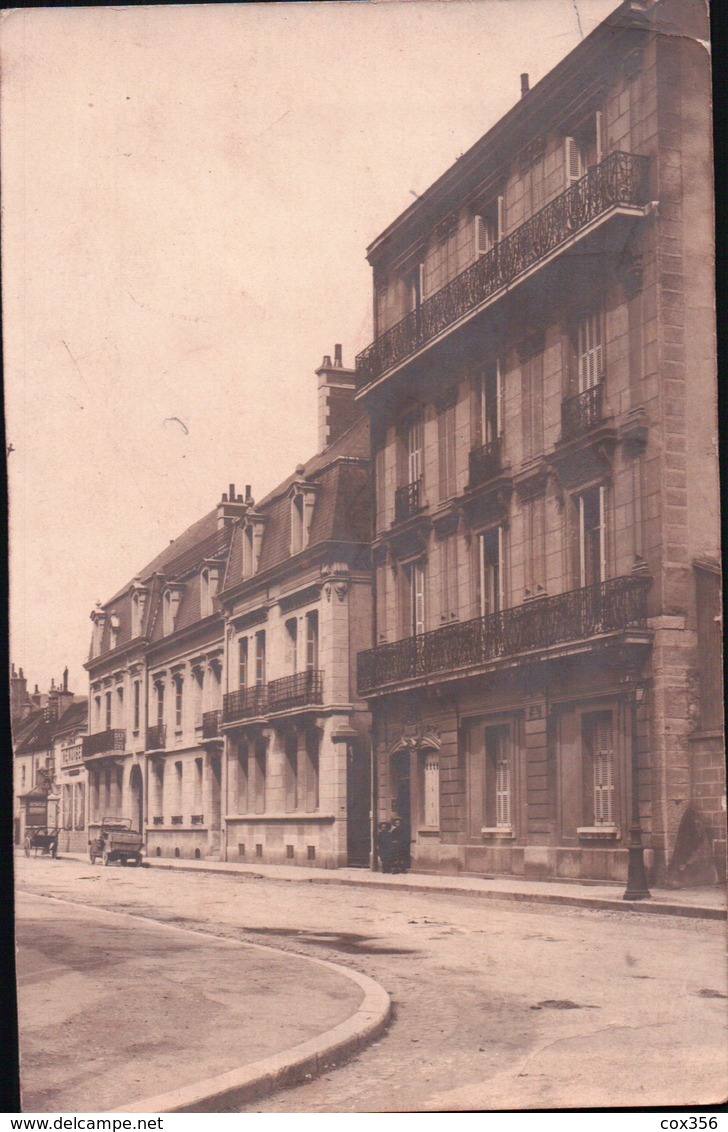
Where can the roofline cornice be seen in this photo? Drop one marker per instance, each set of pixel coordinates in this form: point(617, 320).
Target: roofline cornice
point(306, 558)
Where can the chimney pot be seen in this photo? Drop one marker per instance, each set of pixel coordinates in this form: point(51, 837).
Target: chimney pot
point(232, 492)
point(224, 497)
point(326, 363)
point(524, 84)
point(20, 673)
point(337, 355)
point(247, 491)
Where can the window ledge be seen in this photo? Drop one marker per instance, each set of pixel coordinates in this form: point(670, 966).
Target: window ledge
point(505, 831)
point(598, 832)
point(428, 831)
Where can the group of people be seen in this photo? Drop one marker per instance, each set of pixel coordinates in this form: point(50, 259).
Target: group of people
point(393, 846)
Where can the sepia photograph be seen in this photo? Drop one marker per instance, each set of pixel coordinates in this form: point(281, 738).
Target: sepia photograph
point(366, 687)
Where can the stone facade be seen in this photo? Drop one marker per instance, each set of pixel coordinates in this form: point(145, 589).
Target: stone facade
point(546, 483)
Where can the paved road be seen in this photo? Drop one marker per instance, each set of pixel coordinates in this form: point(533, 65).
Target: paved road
point(497, 1005)
point(115, 1009)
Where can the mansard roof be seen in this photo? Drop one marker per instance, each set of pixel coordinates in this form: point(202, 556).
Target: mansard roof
point(342, 512)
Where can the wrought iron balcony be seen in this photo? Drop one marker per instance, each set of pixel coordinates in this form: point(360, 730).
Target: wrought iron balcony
point(407, 500)
point(485, 462)
point(211, 724)
point(104, 742)
point(620, 180)
point(156, 737)
point(245, 703)
point(157, 820)
point(296, 691)
point(583, 412)
point(71, 756)
point(608, 607)
point(176, 819)
point(197, 819)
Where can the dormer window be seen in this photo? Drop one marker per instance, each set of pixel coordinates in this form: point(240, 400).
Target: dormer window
point(138, 604)
point(170, 606)
point(209, 579)
point(252, 544)
point(99, 620)
point(302, 498)
point(113, 631)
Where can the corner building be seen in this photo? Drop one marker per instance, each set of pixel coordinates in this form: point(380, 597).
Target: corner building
point(542, 394)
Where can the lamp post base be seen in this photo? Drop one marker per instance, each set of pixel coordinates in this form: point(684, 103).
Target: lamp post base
point(637, 888)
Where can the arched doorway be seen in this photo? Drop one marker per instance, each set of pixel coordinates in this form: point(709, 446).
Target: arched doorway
point(136, 789)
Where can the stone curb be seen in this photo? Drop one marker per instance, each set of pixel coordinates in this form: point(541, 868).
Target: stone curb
point(268, 1074)
point(648, 907)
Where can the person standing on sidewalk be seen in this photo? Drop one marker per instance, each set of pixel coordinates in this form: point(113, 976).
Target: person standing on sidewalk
point(385, 846)
point(400, 847)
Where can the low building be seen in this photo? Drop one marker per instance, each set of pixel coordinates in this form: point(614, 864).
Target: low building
point(70, 777)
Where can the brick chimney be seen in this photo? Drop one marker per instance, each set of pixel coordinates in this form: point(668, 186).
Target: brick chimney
point(337, 410)
point(231, 506)
point(19, 702)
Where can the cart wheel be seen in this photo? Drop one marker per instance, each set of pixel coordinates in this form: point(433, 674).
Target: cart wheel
point(92, 856)
point(105, 857)
point(27, 846)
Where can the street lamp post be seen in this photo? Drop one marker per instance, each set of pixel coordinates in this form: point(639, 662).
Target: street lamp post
point(636, 876)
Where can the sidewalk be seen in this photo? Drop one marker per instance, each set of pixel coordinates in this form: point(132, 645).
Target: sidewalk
point(697, 903)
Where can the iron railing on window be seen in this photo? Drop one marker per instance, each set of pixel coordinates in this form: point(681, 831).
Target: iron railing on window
point(156, 737)
point(71, 755)
point(620, 179)
point(211, 724)
point(583, 412)
point(485, 462)
point(245, 703)
point(300, 690)
point(619, 603)
point(407, 500)
point(103, 742)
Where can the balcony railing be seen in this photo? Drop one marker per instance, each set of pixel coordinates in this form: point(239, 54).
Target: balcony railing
point(104, 742)
point(485, 462)
point(245, 703)
point(581, 413)
point(156, 737)
point(606, 607)
point(620, 180)
point(407, 500)
point(296, 691)
point(197, 819)
point(211, 724)
point(176, 819)
point(158, 820)
point(71, 756)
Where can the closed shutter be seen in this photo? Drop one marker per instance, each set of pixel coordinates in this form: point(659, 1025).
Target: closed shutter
point(431, 790)
point(503, 783)
point(418, 596)
point(446, 451)
point(572, 161)
point(590, 351)
point(603, 755)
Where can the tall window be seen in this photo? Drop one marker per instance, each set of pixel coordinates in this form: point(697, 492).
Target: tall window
point(413, 599)
point(243, 662)
point(532, 396)
point(107, 699)
point(598, 746)
point(80, 800)
point(160, 705)
point(243, 769)
point(291, 772)
point(379, 486)
point(260, 657)
point(312, 642)
point(178, 701)
point(490, 571)
point(120, 706)
point(589, 351)
point(197, 789)
point(137, 703)
point(198, 690)
point(534, 520)
point(498, 778)
point(414, 435)
point(158, 788)
point(260, 771)
point(298, 539)
point(205, 594)
point(446, 446)
point(449, 578)
point(311, 785)
point(489, 398)
point(292, 645)
point(592, 536)
point(489, 227)
point(178, 771)
point(414, 287)
point(97, 706)
point(248, 552)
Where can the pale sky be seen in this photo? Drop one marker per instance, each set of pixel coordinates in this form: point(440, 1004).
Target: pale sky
point(188, 193)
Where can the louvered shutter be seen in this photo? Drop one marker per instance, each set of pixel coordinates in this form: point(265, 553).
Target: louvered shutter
point(603, 755)
point(432, 790)
point(501, 219)
point(598, 127)
point(503, 783)
point(418, 586)
point(572, 161)
point(482, 240)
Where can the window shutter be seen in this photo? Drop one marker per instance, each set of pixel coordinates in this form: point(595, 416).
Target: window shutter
point(482, 242)
point(602, 533)
point(582, 544)
point(502, 783)
point(501, 218)
point(603, 755)
point(432, 790)
point(572, 161)
point(499, 587)
point(419, 598)
point(598, 127)
point(499, 396)
point(442, 452)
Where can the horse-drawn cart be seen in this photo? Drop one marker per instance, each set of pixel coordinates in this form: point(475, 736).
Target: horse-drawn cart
point(43, 839)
